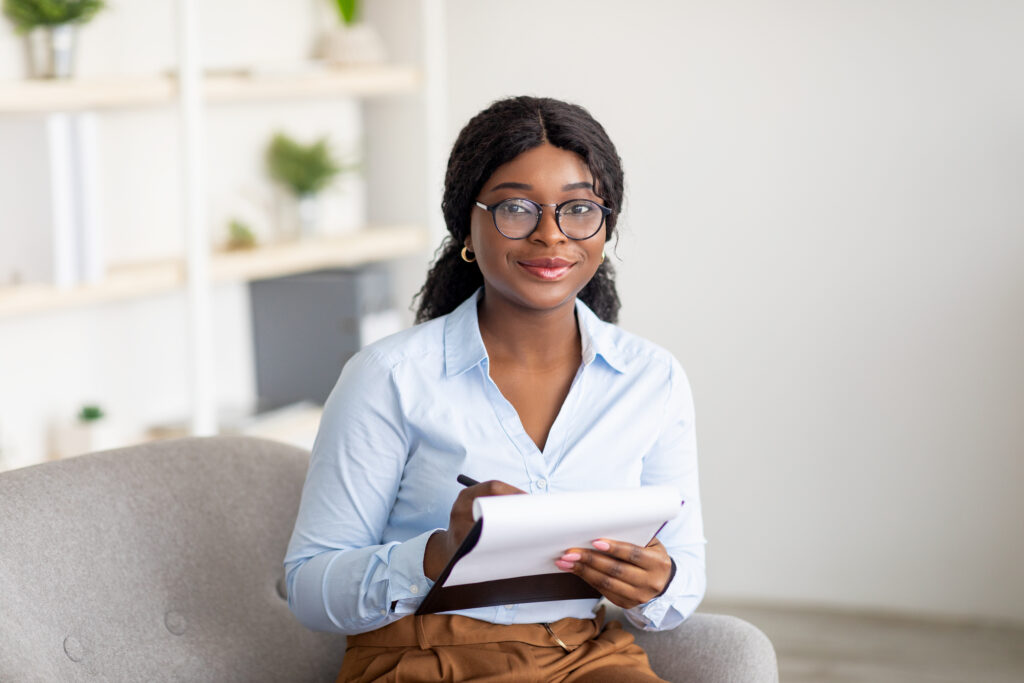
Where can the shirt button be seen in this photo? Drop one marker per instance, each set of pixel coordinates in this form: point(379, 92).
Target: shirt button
point(383, 612)
point(414, 589)
point(509, 606)
point(542, 484)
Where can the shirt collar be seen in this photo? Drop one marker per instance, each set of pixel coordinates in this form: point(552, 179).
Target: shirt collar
point(597, 339)
point(464, 347)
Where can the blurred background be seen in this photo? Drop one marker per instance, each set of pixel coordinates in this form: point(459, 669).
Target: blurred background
point(824, 223)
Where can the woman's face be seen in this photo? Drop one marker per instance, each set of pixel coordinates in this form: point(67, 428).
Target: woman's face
point(546, 270)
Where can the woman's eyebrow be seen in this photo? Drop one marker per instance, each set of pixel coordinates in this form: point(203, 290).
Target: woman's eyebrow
point(524, 186)
point(514, 186)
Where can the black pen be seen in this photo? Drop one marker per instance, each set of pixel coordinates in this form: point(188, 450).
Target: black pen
point(466, 481)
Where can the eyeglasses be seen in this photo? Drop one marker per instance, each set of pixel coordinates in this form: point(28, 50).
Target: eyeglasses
point(577, 219)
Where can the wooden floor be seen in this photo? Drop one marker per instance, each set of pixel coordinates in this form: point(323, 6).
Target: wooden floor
point(848, 647)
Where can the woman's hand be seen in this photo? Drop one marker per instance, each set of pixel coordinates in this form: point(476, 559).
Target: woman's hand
point(443, 544)
point(628, 575)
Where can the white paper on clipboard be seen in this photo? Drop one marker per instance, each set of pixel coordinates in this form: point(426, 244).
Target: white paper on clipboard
point(523, 535)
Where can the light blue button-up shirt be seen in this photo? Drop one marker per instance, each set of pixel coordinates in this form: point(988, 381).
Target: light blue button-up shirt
point(412, 411)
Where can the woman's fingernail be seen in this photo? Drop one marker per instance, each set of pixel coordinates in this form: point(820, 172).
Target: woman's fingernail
point(602, 545)
point(570, 557)
point(561, 564)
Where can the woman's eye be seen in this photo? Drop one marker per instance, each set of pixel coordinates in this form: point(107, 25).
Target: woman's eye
point(514, 209)
point(578, 209)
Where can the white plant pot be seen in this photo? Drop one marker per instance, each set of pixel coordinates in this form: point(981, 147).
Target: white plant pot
point(352, 45)
point(78, 437)
point(308, 213)
point(297, 216)
point(51, 51)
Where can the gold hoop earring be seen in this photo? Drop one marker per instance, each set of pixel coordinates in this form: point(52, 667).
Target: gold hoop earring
point(465, 255)
point(602, 257)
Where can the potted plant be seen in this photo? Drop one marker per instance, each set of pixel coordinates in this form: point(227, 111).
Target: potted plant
point(305, 170)
point(240, 236)
point(91, 431)
point(49, 29)
point(353, 41)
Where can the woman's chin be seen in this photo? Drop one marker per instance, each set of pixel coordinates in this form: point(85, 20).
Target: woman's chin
point(540, 296)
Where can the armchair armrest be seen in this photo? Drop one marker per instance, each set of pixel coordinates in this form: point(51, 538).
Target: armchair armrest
point(710, 648)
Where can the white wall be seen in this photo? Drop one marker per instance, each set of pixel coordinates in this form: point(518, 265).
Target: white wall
point(826, 225)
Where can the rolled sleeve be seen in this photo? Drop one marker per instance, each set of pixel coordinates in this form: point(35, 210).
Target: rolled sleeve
point(341, 577)
point(407, 584)
point(677, 603)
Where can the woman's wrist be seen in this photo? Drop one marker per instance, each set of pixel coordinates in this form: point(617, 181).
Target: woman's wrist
point(671, 575)
point(435, 555)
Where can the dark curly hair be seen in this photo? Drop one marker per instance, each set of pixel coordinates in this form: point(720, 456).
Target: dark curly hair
point(494, 137)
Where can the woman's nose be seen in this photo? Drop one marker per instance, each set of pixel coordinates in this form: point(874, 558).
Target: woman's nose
point(547, 230)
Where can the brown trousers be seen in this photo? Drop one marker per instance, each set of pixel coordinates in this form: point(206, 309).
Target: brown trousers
point(441, 647)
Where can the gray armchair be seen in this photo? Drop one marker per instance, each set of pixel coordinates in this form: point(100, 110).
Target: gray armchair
point(163, 562)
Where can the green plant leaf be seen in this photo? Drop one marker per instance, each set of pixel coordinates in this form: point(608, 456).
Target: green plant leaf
point(349, 10)
point(29, 14)
point(240, 235)
point(305, 169)
point(90, 413)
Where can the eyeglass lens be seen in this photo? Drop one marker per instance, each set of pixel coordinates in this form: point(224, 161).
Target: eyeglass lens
point(578, 219)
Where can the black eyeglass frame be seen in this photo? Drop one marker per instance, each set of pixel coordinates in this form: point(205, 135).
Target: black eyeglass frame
point(605, 212)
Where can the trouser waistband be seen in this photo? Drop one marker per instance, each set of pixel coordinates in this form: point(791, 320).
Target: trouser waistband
point(429, 630)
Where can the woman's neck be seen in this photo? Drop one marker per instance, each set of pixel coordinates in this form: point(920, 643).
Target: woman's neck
point(529, 338)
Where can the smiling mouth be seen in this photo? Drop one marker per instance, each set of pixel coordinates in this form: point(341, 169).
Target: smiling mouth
point(547, 268)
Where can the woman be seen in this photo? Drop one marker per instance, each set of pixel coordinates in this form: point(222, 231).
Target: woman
point(518, 378)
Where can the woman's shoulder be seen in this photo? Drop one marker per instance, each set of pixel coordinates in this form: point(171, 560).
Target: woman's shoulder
point(417, 342)
point(627, 350)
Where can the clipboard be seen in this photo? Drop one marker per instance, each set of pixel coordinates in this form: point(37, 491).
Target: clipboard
point(549, 586)
point(536, 588)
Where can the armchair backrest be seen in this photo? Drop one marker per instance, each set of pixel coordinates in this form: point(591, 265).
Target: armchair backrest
point(155, 562)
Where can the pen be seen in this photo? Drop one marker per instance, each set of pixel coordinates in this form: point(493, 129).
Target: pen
point(466, 481)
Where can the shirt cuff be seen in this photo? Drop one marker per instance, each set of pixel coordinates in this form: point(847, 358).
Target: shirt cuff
point(658, 614)
point(407, 584)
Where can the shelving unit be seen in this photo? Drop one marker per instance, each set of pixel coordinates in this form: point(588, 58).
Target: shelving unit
point(27, 97)
point(148, 279)
point(402, 107)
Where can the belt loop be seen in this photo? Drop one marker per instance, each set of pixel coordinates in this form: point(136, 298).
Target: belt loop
point(421, 634)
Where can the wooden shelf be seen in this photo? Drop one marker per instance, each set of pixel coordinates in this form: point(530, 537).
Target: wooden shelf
point(363, 81)
point(122, 92)
point(93, 93)
point(141, 280)
point(366, 246)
